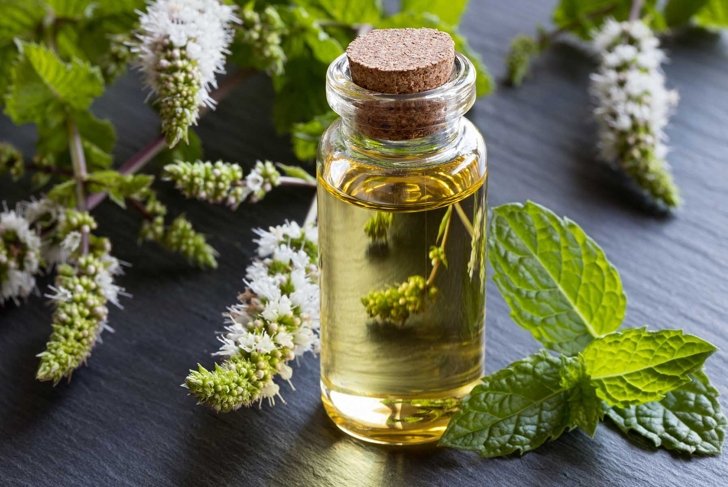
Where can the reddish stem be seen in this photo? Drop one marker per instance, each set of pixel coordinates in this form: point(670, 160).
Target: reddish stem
point(635, 11)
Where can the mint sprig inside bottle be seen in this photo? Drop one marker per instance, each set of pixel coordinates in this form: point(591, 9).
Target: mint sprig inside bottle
point(402, 223)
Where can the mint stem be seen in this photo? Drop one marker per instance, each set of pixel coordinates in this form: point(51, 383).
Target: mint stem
point(436, 267)
point(634, 13)
point(464, 218)
point(78, 159)
point(290, 181)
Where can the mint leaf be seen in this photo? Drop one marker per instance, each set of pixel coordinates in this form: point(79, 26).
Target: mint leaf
point(305, 135)
point(637, 366)
point(351, 11)
point(98, 137)
point(299, 94)
point(119, 186)
point(714, 15)
point(556, 280)
point(583, 17)
point(585, 408)
point(19, 18)
point(688, 419)
point(515, 409)
point(449, 11)
point(71, 9)
point(324, 47)
point(43, 86)
point(100, 133)
point(8, 56)
point(679, 12)
point(191, 151)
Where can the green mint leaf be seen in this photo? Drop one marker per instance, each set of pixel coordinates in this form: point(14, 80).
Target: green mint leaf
point(637, 366)
point(19, 19)
point(299, 95)
point(483, 79)
point(688, 419)
point(679, 12)
point(556, 280)
point(99, 132)
point(351, 11)
point(191, 151)
point(515, 409)
point(63, 193)
point(583, 17)
point(119, 186)
point(101, 38)
point(324, 47)
point(117, 7)
point(585, 408)
point(71, 9)
point(8, 56)
point(43, 86)
point(305, 135)
point(714, 15)
point(449, 11)
point(98, 137)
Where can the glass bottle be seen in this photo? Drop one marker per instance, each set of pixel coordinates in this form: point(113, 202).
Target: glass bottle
point(402, 233)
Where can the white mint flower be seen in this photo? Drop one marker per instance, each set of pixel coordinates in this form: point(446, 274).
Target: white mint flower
point(182, 47)
point(20, 255)
point(275, 320)
point(633, 106)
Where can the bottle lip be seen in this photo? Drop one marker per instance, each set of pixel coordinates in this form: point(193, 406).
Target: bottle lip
point(457, 95)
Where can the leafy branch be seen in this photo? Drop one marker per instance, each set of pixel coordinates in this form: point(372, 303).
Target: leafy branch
point(569, 296)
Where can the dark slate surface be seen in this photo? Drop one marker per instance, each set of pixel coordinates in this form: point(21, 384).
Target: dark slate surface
point(124, 420)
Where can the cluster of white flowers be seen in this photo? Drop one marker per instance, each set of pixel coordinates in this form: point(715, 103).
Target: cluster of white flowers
point(633, 105)
point(275, 321)
point(20, 256)
point(182, 46)
point(282, 313)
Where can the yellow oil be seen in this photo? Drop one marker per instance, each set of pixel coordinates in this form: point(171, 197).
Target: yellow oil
point(398, 381)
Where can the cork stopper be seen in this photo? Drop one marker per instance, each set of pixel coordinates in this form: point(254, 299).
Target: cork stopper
point(401, 60)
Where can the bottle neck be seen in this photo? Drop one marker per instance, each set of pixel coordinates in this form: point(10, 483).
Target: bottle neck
point(436, 141)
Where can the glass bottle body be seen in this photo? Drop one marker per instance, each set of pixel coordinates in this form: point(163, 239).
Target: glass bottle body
point(402, 253)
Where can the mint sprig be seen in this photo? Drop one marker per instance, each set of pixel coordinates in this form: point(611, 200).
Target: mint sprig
point(533, 400)
point(560, 286)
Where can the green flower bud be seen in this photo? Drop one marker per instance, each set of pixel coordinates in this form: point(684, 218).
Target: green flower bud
point(395, 304)
point(522, 51)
